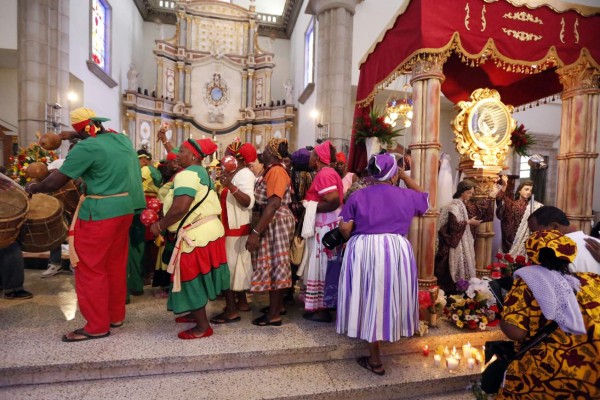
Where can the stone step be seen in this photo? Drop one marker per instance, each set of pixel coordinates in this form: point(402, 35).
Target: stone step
point(408, 376)
point(147, 345)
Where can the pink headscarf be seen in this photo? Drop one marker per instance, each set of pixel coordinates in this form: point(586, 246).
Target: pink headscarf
point(323, 150)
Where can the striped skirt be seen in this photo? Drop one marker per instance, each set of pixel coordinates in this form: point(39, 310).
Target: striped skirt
point(378, 294)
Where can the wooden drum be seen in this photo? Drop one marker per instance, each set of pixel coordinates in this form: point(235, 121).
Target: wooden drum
point(68, 195)
point(14, 205)
point(45, 228)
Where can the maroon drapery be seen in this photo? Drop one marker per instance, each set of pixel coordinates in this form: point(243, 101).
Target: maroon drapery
point(516, 41)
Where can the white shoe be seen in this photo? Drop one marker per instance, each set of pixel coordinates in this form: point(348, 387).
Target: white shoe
point(52, 270)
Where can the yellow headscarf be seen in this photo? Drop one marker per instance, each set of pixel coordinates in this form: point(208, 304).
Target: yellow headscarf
point(564, 247)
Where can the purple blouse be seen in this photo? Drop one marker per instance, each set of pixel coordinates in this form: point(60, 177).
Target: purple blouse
point(383, 209)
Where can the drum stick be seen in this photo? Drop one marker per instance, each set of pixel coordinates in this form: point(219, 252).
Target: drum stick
point(12, 182)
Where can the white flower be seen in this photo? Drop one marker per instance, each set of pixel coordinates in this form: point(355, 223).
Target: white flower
point(454, 317)
point(482, 326)
point(470, 292)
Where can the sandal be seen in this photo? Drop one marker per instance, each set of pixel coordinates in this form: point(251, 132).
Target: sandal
point(364, 362)
point(265, 310)
point(264, 321)
point(318, 317)
point(220, 319)
point(81, 332)
point(185, 319)
point(116, 324)
point(189, 334)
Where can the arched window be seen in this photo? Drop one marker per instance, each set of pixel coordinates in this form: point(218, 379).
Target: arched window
point(100, 41)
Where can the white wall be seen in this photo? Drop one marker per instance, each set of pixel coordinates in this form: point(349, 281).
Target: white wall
point(9, 108)
point(8, 24)
point(147, 67)
point(127, 47)
point(281, 48)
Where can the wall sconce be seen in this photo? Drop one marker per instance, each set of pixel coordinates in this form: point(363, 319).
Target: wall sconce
point(322, 127)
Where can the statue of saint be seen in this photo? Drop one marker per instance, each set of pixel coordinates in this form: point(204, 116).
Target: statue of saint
point(289, 91)
point(132, 77)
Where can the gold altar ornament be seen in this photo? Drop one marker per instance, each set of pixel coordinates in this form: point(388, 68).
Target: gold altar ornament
point(482, 129)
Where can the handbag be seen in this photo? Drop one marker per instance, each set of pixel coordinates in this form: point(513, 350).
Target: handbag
point(298, 243)
point(171, 238)
point(333, 239)
point(504, 350)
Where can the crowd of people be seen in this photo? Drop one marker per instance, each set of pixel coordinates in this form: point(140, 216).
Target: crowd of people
point(230, 235)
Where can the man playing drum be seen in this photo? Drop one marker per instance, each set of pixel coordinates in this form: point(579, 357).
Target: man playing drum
point(98, 238)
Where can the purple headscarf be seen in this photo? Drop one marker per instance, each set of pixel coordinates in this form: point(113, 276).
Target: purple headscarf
point(385, 164)
point(300, 158)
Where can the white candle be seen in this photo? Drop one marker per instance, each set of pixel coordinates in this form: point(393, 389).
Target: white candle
point(467, 350)
point(437, 360)
point(446, 351)
point(451, 363)
point(471, 363)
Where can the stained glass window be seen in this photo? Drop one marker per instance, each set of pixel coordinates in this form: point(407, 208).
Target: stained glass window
point(100, 25)
point(309, 53)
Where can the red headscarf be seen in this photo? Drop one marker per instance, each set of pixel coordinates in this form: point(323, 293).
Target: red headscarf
point(340, 157)
point(200, 148)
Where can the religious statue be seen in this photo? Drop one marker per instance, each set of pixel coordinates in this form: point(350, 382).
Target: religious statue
point(132, 77)
point(289, 91)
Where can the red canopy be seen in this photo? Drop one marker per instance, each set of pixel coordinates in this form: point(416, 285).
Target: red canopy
point(489, 43)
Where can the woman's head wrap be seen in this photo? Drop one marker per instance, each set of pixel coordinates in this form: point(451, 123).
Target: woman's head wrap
point(323, 151)
point(83, 118)
point(383, 166)
point(273, 147)
point(200, 148)
point(340, 157)
point(172, 155)
point(300, 159)
point(245, 151)
point(462, 187)
point(563, 246)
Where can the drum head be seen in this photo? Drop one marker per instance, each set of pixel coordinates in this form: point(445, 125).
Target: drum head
point(13, 202)
point(43, 206)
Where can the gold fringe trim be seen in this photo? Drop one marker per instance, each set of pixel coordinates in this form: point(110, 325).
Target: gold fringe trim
point(555, 5)
point(489, 53)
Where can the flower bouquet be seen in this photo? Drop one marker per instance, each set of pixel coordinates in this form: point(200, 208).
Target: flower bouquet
point(474, 307)
point(506, 265)
point(371, 123)
point(521, 141)
point(26, 156)
point(434, 301)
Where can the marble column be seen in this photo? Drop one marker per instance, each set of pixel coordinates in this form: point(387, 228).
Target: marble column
point(577, 153)
point(427, 78)
point(334, 65)
point(43, 69)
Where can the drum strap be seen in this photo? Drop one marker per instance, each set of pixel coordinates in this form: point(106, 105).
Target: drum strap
point(71, 237)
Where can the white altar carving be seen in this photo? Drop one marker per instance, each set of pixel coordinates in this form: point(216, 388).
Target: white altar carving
point(212, 79)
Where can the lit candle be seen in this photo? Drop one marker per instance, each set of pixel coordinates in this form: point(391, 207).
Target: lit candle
point(467, 350)
point(452, 363)
point(425, 350)
point(437, 360)
point(471, 363)
point(446, 352)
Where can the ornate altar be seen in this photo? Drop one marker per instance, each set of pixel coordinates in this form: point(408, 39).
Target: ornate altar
point(482, 132)
point(213, 80)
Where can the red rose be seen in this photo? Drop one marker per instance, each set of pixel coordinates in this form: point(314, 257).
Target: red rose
point(499, 256)
point(509, 258)
point(521, 260)
point(489, 267)
point(496, 275)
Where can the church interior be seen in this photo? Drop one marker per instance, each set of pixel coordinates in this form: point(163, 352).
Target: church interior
point(301, 70)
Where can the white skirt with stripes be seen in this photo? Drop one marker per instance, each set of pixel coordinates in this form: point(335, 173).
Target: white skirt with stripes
point(378, 293)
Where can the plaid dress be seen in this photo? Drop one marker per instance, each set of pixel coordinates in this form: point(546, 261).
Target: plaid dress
point(271, 262)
